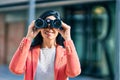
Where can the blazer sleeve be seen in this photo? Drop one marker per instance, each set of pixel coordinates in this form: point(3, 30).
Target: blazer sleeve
point(18, 62)
point(73, 65)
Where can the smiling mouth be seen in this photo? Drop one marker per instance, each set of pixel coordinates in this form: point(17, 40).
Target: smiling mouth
point(49, 32)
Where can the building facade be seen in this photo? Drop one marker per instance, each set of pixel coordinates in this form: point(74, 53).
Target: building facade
point(92, 28)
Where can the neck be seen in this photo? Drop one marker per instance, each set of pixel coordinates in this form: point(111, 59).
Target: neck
point(48, 44)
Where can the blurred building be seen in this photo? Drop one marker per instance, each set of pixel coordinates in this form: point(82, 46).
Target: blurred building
point(92, 28)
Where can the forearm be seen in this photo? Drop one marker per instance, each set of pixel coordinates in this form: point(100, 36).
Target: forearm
point(18, 62)
point(73, 65)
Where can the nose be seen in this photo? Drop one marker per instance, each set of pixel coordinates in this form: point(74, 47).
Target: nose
point(48, 26)
point(49, 29)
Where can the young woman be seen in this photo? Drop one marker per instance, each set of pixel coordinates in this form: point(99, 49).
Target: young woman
point(42, 54)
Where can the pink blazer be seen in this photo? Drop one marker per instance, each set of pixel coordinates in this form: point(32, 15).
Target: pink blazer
point(25, 61)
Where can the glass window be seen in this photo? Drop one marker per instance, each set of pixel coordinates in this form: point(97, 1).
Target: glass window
point(92, 34)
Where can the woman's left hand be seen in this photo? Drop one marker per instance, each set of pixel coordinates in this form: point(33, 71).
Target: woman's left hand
point(65, 32)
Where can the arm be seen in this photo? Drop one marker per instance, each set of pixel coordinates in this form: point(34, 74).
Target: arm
point(73, 65)
point(18, 62)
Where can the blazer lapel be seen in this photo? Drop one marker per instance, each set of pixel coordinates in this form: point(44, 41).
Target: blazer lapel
point(35, 56)
point(57, 59)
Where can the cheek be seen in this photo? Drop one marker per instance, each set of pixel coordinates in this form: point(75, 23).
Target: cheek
point(56, 33)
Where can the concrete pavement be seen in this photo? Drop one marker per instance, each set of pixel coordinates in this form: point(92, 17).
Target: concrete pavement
point(5, 74)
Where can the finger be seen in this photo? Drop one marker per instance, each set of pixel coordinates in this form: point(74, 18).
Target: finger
point(32, 24)
point(36, 30)
point(65, 26)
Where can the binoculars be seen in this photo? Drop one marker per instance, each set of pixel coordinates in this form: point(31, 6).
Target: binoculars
point(40, 23)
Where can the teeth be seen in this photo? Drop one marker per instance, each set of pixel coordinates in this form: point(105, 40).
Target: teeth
point(46, 32)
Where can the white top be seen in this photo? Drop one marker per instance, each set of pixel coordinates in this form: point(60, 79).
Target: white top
point(45, 68)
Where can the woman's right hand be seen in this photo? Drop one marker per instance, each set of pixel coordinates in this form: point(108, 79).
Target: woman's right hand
point(32, 32)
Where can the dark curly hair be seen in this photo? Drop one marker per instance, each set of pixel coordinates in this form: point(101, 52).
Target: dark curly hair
point(38, 40)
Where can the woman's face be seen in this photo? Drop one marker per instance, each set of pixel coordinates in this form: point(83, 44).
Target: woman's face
point(49, 33)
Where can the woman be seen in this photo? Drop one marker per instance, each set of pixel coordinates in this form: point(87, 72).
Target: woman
point(40, 55)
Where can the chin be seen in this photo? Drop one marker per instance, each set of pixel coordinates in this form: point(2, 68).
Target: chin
point(50, 38)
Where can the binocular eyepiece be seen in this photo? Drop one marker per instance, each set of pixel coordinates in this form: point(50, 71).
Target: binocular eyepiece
point(40, 23)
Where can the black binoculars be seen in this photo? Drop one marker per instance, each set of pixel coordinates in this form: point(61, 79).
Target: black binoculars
point(40, 23)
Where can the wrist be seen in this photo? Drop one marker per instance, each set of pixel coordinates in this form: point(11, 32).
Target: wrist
point(68, 38)
point(30, 38)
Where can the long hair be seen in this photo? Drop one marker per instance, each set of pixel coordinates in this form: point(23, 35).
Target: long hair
point(38, 40)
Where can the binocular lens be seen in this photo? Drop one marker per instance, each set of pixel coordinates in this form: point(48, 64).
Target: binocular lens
point(39, 23)
point(57, 23)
